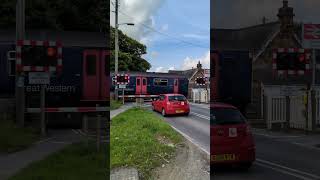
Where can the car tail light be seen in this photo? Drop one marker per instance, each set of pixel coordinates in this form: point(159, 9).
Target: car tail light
point(182, 103)
point(168, 103)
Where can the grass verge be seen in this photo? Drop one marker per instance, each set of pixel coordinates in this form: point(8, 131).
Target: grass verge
point(14, 138)
point(134, 141)
point(115, 104)
point(75, 162)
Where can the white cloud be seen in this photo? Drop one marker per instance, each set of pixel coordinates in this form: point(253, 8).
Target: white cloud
point(136, 11)
point(171, 68)
point(189, 62)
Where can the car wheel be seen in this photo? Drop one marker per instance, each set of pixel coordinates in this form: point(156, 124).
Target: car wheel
point(187, 114)
point(163, 112)
point(153, 108)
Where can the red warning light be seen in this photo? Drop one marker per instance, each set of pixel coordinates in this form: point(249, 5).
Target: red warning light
point(301, 58)
point(51, 51)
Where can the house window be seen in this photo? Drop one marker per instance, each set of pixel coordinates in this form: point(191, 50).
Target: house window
point(144, 82)
point(160, 82)
point(138, 82)
point(11, 57)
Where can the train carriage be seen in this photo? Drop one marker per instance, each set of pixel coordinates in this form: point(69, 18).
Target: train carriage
point(151, 84)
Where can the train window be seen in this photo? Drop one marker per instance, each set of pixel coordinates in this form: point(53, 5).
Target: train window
point(160, 82)
point(91, 65)
point(144, 82)
point(11, 56)
point(138, 82)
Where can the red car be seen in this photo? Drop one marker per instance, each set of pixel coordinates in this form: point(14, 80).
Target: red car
point(232, 142)
point(169, 104)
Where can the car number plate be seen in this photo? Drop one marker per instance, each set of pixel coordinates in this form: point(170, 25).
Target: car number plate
point(223, 157)
point(233, 132)
point(179, 111)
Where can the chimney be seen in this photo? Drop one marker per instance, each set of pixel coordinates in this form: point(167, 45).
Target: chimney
point(199, 65)
point(285, 16)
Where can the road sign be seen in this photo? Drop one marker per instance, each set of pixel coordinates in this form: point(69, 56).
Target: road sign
point(122, 86)
point(311, 36)
point(290, 91)
point(39, 78)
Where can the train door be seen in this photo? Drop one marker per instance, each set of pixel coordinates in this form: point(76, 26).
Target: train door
point(91, 75)
point(105, 75)
point(138, 85)
point(141, 85)
point(144, 85)
point(176, 86)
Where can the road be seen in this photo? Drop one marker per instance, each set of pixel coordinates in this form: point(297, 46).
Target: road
point(277, 159)
point(194, 127)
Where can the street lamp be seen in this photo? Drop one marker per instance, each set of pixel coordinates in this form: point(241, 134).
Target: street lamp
point(117, 44)
point(117, 52)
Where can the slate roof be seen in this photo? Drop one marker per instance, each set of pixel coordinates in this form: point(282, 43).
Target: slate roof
point(249, 38)
point(68, 38)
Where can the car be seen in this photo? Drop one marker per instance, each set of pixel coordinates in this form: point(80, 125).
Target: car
point(169, 104)
point(231, 138)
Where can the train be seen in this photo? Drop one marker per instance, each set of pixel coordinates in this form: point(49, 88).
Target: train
point(151, 84)
point(83, 80)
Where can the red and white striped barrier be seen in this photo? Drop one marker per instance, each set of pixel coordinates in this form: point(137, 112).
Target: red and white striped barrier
point(307, 54)
point(138, 96)
point(19, 65)
point(69, 109)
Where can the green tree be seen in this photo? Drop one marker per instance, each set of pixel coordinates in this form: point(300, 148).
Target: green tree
point(130, 54)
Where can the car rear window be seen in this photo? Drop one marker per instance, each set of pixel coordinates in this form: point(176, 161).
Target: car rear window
point(226, 116)
point(177, 98)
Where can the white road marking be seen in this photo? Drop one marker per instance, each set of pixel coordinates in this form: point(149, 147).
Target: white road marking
point(201, 116)
point(287, 169)
point(284, 172)
point(273, 136)
point(190, 139)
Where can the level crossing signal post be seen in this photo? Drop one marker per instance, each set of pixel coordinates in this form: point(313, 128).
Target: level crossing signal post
point(121, 82)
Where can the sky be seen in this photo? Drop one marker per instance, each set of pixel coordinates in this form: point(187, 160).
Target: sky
point(241, 13)
point(183, 31)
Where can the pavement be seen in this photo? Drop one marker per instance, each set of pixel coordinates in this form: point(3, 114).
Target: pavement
point(122, 109)
point(10, 164)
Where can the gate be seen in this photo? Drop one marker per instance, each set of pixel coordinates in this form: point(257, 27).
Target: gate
point(276, 108)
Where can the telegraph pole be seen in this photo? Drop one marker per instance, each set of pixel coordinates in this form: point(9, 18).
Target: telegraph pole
point(116, 42)
point(19, 90)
